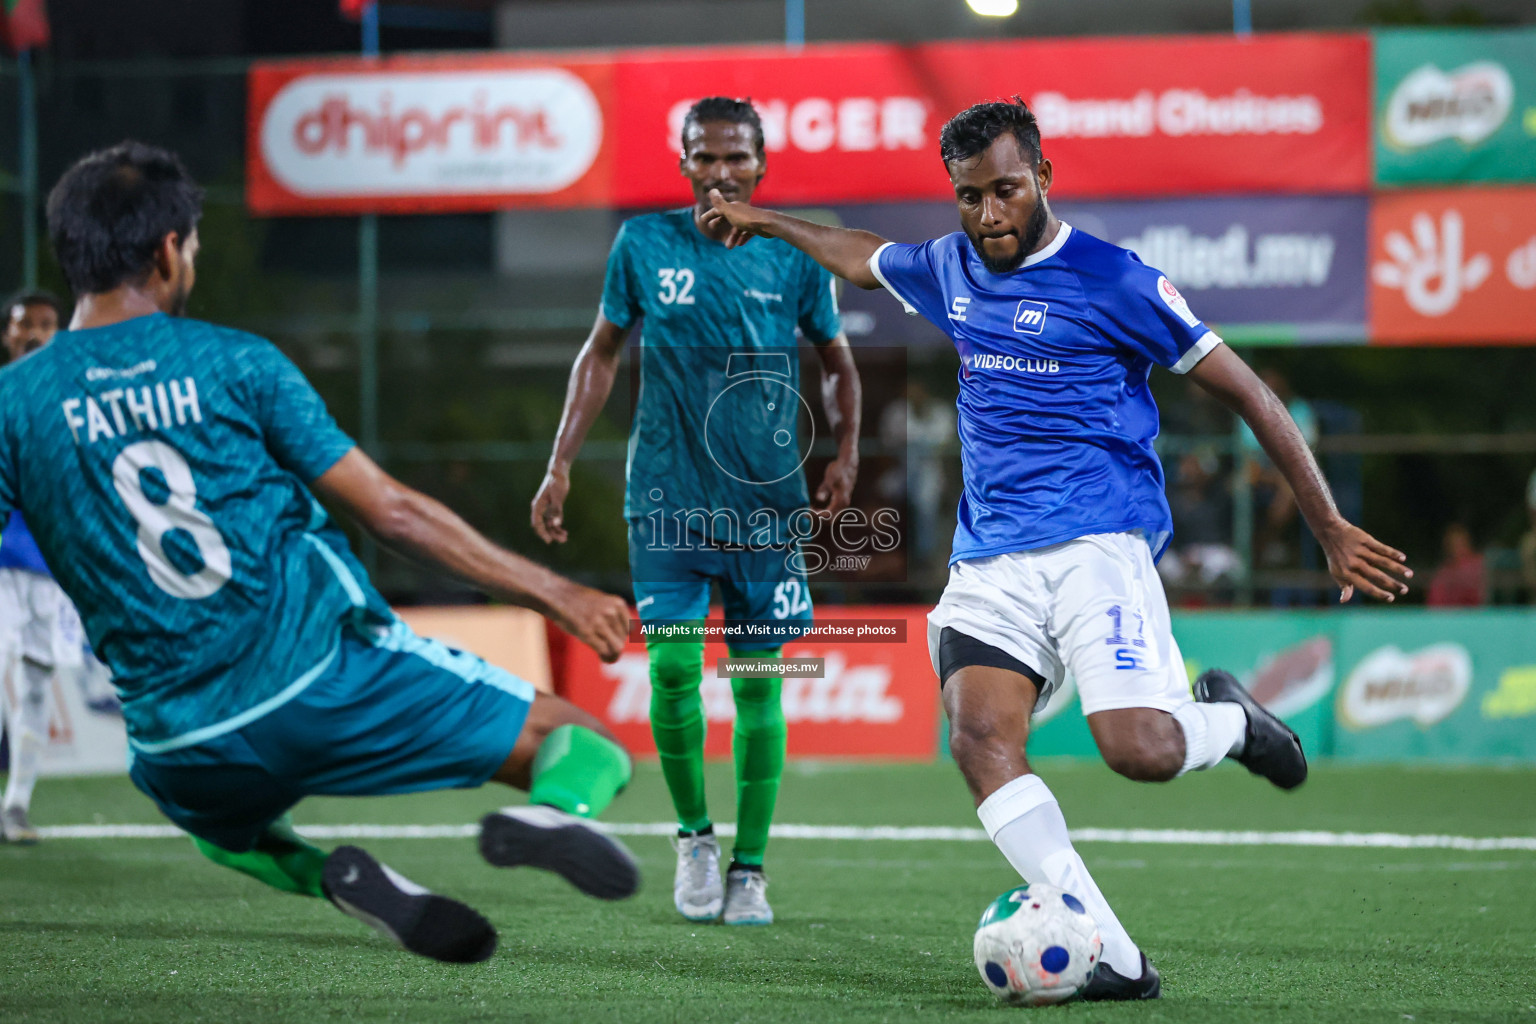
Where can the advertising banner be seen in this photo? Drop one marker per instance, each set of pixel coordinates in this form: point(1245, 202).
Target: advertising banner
point(1270, 269)
point(1454, 266)
point(843, 123)
point(426, 134)
point(1399, 685)
point(874, 700)
point(1439, 685)
point(1119, 117)
point(1455, 106)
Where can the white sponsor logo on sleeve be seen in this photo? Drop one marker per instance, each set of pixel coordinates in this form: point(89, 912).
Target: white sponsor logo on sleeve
point(1169, 294)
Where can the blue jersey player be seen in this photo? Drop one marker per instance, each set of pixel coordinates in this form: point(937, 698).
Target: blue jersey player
point(169, 470)
point(39, 632)
point(715, 491)
point(1063, 512)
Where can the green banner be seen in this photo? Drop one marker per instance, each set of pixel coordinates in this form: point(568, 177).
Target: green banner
point(1455, 106)
point(1373, 685)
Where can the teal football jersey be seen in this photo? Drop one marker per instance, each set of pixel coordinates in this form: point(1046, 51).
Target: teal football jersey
point(163, 465)
point(717, 421)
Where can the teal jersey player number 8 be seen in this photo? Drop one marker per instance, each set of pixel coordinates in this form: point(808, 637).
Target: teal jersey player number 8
point(164, 464)
point(178, 512)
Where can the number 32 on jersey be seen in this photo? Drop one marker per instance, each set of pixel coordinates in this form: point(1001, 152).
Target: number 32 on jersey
point(676, 286)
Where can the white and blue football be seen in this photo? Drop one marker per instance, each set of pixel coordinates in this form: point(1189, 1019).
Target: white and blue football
point(1037, 945)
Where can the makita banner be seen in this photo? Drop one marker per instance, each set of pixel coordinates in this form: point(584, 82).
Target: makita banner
point(1454, 266)
point(855, 123)
point(1268, 269)
point(867, 699)
point(1455, 105)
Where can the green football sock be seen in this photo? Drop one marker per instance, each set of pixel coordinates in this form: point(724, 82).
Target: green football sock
point(759, 743)
point(578, 771)
point(280, 858)
point(677, 723)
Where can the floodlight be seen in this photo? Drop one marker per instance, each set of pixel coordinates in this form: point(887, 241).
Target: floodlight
point(994, 8)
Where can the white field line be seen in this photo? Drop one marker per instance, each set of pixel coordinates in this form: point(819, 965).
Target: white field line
point(1153, 836)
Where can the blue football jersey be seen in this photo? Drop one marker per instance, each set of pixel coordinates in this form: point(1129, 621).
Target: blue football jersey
point(17, 548)
point(163, 464)
point(1056, 419)
point(716, 422)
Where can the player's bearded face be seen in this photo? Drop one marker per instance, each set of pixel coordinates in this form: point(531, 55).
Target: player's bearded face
point(1002, 253)
point(1001, 196)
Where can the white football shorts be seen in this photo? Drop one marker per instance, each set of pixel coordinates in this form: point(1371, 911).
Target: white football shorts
point(38, 620)
point(1093, 606)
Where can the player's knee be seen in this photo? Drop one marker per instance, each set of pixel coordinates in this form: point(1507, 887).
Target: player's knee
point(676, 669)
point(756, 694)
point(977, 739)
point(1143, 758)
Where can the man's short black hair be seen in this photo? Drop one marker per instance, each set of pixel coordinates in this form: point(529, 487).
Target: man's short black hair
point(109, 212)
point(34, 297)
point(723, 108)
point(971, 132)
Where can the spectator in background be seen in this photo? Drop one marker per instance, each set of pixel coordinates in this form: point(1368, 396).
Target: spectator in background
point(1276, 527)
point(1202, 525)
point(31, 320)
point(1460, 581)
point(1528, 542)
point(919, 430)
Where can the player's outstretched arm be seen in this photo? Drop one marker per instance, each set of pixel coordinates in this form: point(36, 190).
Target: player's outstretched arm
point(844, 251)
point(1355, 558)
point(429, 532)
point(585, 395)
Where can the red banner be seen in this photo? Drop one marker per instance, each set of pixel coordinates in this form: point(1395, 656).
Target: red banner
point(877, 700)
point(855, 123)
point(1120, 117)
point(24, 25)
point(1454, 266)
point(427, 135)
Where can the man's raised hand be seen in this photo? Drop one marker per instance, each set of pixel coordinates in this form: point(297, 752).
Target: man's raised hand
point(744, 219)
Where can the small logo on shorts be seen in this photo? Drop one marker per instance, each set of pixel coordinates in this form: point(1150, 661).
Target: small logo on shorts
point(1129, 656)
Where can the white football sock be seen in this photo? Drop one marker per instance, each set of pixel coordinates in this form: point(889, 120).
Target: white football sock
point(1026, 823)
point(29, 732)
point(1211, 732)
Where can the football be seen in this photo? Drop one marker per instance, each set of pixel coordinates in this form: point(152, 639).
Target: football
point(1036, 945)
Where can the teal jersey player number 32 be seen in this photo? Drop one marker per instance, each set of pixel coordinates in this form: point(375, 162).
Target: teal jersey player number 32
point(712, 317)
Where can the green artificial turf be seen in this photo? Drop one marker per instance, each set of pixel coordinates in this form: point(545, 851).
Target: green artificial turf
point(146, 930)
